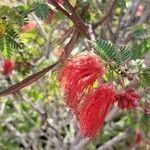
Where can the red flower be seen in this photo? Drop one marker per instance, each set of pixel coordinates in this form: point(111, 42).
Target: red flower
point(95, 108)
point(78, 75)
point(7, 66)
point(29, 26)
point(127, 99)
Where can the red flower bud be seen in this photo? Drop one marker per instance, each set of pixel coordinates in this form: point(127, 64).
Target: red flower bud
point(7, 66)
point(78, 75)
point(138, 137)
point(127, 99)
point(95, 108)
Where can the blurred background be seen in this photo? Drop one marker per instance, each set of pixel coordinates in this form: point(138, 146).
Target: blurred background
point(33, 35)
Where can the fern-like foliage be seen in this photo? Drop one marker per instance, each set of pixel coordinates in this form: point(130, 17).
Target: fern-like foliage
point(145, 76)
point(40, 9)
point(108, 52)
point(11, 20)
point(141, 34)
point(105, 49)
point(10, 42)
point(125, 54)
point(122, 3)
point(12, 16)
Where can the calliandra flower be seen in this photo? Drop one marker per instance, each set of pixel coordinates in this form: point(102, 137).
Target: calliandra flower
point(78, 75)
point(7, 66)
point(95, 108)
point(127, 99)
point(138, 137)
point(29, 26)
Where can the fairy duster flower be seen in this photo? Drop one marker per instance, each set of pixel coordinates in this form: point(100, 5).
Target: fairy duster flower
point(95, 108)
point(78, 75)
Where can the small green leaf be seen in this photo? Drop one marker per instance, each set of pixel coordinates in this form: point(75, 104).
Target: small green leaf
point(41, 10)
point(122, 3)
point(145, 76)
point(107, 51)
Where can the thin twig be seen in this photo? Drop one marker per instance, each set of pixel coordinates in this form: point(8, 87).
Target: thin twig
point(41, 29)
point(118, 138)
point(27, 81)
point(108, 14)
point(74, 18)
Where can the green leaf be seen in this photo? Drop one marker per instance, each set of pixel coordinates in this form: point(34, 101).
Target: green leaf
point(141, 33)
point(122, 3)
point(140, 48)
point(14, 40)
point(125, 53)
point(10, 42)
point(12, 16)
point(145, 76)
point(4, 45)
point(41, 10)
point(107, 51)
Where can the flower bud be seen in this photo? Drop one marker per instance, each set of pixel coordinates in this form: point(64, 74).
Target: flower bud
point(7, 67)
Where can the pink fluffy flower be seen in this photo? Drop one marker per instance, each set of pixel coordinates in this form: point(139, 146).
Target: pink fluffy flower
point(95, 108)
point(29, 26)
point(78, 75)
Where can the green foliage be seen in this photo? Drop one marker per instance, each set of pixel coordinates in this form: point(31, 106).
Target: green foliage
point(10, 42)
point(10, 24)
point(108, 52)
point(23, 10)
point(40, 9)
point(105, 49)
point(141, 33)
point(140, 48)
point(124, 54)
point(141, 45)
point(122, 3)
point(12, 16)
point(145, 76)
